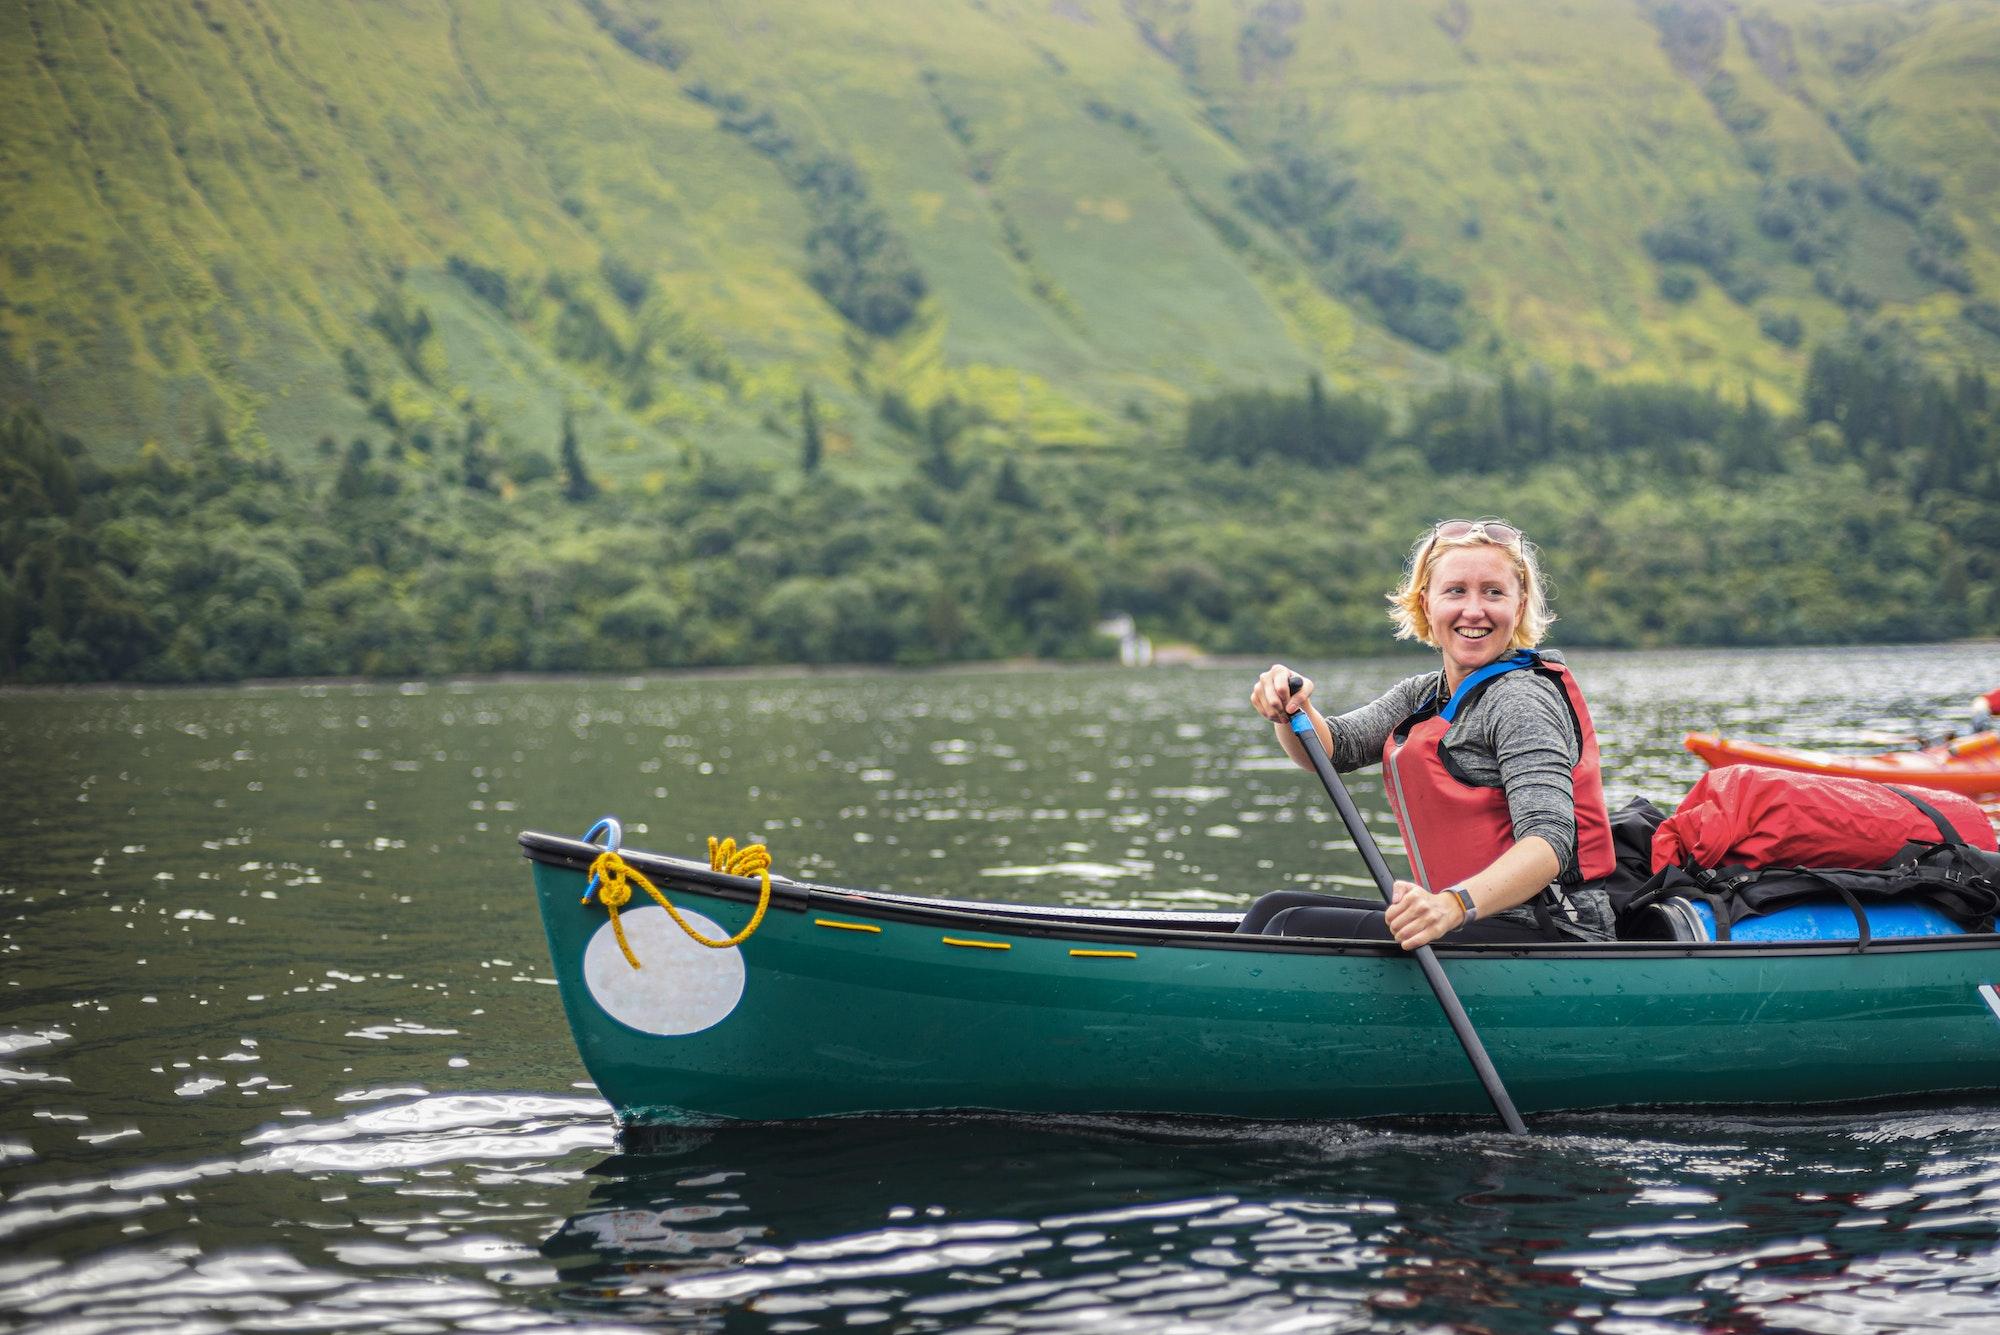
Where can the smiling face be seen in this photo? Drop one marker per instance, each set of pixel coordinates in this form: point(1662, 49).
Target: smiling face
point(1472, 605)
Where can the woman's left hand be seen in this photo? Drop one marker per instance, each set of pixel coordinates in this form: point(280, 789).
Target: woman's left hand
point(1418, 917)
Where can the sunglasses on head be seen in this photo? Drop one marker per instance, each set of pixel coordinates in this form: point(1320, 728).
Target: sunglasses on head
point(1490, 529)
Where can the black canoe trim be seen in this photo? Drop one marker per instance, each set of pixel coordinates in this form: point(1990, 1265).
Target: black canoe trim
point(1208, 931)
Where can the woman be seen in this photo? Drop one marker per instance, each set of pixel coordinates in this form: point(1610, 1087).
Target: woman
point(1490, 763)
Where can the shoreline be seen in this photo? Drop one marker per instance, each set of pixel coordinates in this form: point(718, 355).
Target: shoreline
point(807, 671)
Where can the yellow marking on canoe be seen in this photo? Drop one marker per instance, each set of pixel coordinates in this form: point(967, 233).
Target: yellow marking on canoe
point(846, 926)
point(978, 945)
point(1105, 954)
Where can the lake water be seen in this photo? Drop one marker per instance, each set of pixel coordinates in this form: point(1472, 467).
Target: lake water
point(279, 1048)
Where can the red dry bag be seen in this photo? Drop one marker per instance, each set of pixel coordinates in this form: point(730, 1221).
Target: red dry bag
point(1754, 816)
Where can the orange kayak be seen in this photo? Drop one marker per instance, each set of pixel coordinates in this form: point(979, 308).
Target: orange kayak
point(1969, 765)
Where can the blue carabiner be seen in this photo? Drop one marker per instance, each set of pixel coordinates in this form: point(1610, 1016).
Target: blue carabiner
point(613, 834)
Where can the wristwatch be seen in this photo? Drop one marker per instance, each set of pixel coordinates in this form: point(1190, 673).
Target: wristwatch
point(1464, 897)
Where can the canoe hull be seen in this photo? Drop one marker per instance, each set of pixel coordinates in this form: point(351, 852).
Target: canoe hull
point(1975, 774)
point(1084, 1015)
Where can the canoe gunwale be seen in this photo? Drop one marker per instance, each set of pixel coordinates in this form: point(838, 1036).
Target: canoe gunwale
point(1166, 927)
point(553, 850)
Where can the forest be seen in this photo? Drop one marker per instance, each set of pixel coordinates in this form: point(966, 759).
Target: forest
point(1271, 521)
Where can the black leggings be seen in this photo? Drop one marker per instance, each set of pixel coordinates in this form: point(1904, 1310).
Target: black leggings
point(1304, 913)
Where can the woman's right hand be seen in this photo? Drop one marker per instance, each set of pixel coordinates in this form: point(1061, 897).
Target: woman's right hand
point(1273, 696)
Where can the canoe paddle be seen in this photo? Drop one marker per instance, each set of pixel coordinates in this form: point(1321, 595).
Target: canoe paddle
point(1461, 1024)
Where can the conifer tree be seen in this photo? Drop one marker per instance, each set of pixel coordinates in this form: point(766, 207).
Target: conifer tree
point(1009, 489)
point(813, 446)
point(577, 483)
point(1319, 444)
point(479, 463)
point(354, 480)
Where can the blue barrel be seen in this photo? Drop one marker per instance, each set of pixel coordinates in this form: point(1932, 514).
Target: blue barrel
point(1831, 920)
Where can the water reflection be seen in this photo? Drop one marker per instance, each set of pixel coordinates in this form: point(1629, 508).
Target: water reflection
point(1625, 1223)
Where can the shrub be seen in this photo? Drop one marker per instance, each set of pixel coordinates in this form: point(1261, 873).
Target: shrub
point(1695, 236)
point(1785, 329)
point(489, 285)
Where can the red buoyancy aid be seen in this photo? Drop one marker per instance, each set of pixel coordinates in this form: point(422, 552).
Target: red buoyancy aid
point(1454, 829)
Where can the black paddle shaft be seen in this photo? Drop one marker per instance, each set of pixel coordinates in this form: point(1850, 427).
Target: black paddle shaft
point(1427, 960)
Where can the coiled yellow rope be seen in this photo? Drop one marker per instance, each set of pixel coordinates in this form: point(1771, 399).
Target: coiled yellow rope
point(615, 877)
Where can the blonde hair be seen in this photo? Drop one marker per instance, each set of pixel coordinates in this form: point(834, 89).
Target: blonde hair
point(1406, 604)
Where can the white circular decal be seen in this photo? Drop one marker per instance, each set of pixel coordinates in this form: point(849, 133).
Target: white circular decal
point(681, 986)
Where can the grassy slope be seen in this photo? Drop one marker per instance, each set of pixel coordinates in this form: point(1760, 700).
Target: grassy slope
point(1932, 101)
point(203, 203)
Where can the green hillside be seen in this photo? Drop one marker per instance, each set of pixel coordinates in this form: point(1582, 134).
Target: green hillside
point(453, 226)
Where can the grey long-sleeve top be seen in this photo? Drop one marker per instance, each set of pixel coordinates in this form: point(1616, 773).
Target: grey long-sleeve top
point(1518, 738)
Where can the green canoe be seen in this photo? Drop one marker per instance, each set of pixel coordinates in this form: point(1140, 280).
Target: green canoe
point(847, 1001)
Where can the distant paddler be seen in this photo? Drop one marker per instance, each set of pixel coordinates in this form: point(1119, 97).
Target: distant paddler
point(1984, 707)
point(1490, 762)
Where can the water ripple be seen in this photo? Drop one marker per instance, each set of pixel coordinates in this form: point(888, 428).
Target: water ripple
point(302, 906)
point(437, 1130)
